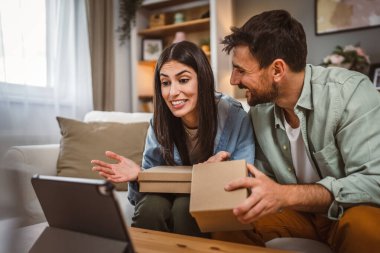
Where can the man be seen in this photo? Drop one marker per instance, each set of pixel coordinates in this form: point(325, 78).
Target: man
point(317, 173)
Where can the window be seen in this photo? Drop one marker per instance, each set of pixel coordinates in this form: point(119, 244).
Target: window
point(45, 69)
point(23, 58)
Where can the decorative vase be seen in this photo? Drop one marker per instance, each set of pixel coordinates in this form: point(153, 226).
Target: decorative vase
point(178, 18)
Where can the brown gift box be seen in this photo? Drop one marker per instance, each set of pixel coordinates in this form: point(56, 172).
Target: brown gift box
point(210, 204)
point(166, 179)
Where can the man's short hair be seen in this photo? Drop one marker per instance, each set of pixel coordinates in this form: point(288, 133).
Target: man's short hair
point(271, 35)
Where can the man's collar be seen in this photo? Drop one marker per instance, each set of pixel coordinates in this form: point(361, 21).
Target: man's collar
point(278, 117)
point(305, 99)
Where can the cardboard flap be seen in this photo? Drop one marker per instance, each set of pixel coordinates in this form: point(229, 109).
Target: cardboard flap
point(166, 173)
point(207, 187)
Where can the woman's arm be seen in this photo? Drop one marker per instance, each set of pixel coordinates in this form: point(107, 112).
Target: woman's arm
point(152, 155)
point(242, 135)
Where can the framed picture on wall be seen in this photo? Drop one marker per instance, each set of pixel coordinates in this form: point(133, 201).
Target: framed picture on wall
point(374, 74)
point(151, 49)
point(333, 16)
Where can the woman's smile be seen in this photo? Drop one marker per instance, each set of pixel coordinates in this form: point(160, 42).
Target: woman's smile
point(178, 103)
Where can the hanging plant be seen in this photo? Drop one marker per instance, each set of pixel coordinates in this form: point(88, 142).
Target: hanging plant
point(127, 14)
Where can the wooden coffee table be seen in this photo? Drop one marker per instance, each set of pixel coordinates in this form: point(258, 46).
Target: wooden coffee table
point(149, 241)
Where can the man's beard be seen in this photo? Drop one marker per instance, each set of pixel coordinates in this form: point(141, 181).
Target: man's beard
point(261, 97)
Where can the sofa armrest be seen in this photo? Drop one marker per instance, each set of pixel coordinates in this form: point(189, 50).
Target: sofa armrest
point(27, 161)
point(41, 159)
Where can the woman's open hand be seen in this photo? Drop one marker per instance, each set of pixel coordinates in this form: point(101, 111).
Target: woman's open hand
point(124, 170)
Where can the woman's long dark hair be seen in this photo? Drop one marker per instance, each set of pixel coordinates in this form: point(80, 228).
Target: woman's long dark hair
point(168, 129)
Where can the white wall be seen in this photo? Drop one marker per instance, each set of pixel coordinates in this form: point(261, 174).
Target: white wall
point(303, 10)
point(123, 90)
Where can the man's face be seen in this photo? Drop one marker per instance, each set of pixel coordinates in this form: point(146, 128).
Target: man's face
point(247, 74)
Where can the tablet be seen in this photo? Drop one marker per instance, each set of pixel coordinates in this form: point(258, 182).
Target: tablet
point(82, 205)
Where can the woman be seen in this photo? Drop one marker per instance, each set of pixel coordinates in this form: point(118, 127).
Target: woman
point(191, 123)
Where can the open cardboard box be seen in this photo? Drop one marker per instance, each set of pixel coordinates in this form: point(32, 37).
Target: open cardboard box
point(166, 179)
point(210, 204)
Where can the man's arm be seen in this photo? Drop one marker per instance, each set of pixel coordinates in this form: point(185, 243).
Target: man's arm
point(355, 149)
point(307, 198)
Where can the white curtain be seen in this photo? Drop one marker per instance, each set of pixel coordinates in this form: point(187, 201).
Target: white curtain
point(27, 113)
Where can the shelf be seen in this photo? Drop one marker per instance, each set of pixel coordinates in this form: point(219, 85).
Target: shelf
point(146, 103)
point(146, 98)
point(148, 63)
point(187, 26)
point(157, 4)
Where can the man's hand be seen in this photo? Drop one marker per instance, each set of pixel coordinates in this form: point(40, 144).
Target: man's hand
point(124, 171)
point(266, 196)
point(219, 157)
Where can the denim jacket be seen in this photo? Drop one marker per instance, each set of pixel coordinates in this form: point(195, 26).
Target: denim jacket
point(234, 135)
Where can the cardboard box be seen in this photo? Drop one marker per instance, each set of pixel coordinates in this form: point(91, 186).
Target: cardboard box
point(210, 204)
point(166, 179)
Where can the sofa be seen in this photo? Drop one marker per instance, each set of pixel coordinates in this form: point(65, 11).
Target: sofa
point(42, 159)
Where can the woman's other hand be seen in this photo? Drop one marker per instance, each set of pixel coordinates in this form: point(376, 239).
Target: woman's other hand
point(124, 170)
point(221, 156)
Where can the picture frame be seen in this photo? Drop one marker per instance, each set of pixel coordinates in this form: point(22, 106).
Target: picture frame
point(374, 74)
point(151, 49)
point(340, 16)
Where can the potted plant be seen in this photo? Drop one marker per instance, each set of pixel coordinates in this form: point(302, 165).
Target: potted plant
point(127, 14)
point(349, 57)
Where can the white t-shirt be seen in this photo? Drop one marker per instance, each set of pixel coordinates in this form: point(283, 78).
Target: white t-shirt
point(304, 169)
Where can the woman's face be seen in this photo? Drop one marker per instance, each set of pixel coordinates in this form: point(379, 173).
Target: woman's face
point(179, 88)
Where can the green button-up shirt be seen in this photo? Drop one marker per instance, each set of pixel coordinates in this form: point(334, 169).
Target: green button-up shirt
point(339, 113)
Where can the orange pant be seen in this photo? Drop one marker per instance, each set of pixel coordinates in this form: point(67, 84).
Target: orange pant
point(357, 231)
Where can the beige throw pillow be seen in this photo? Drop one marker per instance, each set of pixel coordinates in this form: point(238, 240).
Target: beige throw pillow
point(82, 142)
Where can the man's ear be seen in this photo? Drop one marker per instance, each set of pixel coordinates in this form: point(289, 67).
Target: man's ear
point(278, 67)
